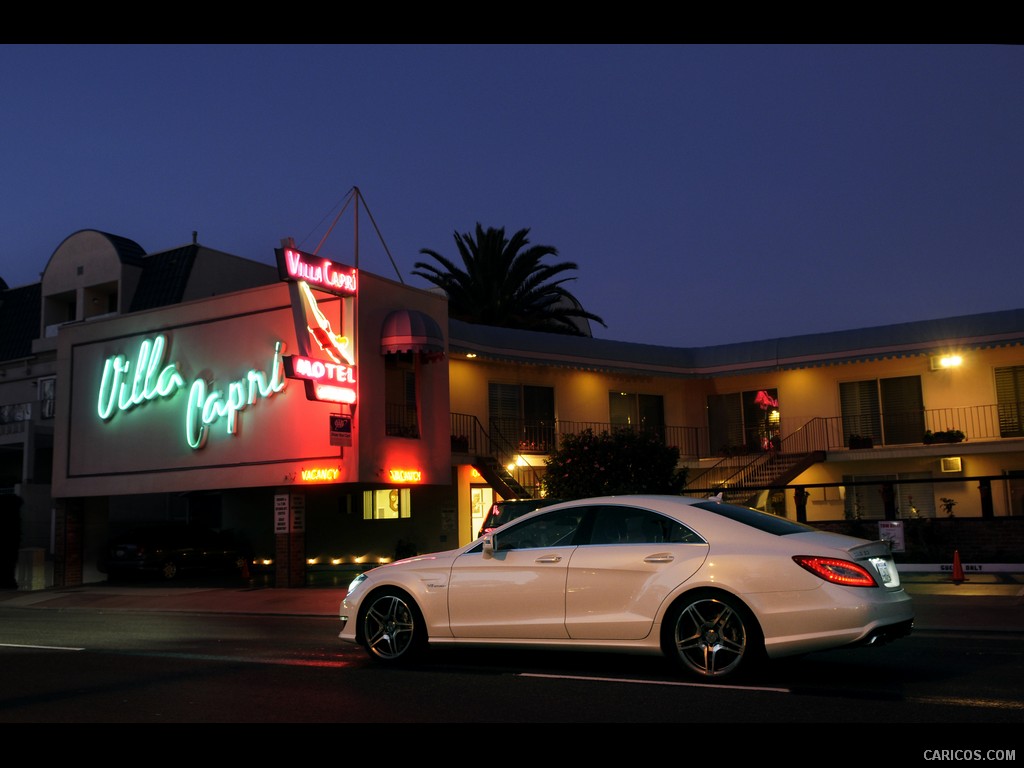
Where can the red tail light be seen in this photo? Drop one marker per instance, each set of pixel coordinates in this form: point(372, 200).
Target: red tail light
point(836, 571)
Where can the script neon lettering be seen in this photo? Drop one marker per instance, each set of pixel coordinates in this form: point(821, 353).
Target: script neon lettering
point(149, 381)
point(206, 408)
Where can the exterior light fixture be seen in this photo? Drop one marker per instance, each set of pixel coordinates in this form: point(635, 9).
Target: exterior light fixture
point(945, 362)
point(952, 464)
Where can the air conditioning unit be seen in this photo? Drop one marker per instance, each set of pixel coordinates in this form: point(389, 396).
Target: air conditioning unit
point(952, 464)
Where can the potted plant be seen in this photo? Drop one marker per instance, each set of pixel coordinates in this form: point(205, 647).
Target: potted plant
point(947, 436)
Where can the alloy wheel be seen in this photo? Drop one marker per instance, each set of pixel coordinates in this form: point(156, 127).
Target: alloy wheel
point(711, 637)
point(390, 628)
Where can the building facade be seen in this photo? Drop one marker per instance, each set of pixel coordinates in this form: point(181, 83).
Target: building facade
point(335, 418)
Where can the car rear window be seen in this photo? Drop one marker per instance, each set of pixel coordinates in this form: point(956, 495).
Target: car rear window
point(762, 521)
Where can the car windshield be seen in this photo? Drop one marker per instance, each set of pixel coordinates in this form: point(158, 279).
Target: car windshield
point(762, 521)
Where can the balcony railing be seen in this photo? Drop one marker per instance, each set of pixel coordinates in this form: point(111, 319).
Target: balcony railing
point(980, 422)
point(400, 420)
point(976, 422)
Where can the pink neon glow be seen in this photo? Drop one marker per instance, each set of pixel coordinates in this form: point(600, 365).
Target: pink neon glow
point(334, 394)
point(323, 273)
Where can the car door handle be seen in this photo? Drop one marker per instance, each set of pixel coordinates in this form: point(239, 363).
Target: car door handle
point(549, 559)
point(661, 557)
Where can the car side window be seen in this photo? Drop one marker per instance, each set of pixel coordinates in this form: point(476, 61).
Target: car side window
point(632, 525)
point(554, 529)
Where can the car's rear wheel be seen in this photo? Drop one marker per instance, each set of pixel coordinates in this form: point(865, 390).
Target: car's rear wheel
point(712, 635)
point(393, 629)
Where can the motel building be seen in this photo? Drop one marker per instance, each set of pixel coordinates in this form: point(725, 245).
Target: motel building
point(305, 409)
point(333, 418)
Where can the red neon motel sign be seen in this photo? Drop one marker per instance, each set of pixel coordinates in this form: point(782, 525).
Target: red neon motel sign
point(327, 275)
point(333, 382)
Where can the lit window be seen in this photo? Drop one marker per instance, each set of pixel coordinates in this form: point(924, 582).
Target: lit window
point(387, 504)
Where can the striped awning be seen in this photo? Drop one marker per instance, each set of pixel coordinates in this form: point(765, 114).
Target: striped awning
point(408, 330)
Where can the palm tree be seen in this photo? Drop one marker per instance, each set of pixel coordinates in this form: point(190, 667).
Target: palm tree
point(503, 283)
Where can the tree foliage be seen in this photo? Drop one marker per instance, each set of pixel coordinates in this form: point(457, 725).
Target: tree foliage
point(503, 282)
point(613, 463)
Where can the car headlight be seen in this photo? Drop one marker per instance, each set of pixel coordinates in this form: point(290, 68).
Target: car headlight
point(354, 584)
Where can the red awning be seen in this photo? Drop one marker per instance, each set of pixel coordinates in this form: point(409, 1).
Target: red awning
point(408, 330)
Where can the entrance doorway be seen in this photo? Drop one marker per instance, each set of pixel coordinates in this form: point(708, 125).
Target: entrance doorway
point(481, 500)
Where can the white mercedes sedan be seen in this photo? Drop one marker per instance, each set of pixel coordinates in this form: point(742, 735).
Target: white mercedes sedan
point(714, 586)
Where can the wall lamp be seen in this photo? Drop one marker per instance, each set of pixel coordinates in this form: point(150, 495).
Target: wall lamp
point(945, 362)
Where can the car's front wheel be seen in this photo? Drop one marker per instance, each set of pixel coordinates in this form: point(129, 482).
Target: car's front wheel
point(712, 635)
point(168, 570)
point(393, 629)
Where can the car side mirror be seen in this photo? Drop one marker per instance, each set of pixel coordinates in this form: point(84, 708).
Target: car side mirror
point(488, 545)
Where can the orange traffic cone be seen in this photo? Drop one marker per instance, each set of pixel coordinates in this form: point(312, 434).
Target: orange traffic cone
point(958, 570)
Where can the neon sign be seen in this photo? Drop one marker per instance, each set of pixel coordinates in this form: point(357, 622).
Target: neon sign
point(405, 475)
point(321, 474)
point(124, 385)
point(334, 345)
point(146, 383)
point(333, 382)
point(323, 273)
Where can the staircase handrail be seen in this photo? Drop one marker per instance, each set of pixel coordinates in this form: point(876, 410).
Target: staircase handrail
point(810, 437)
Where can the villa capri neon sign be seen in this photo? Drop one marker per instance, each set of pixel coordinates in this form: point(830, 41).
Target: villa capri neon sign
point(127, 384)
point(331, 379)
point(317, 271)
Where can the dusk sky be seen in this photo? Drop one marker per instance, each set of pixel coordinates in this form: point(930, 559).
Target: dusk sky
point(708, 193)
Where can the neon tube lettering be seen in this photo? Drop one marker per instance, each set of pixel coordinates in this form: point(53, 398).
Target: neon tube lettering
point(206, 408)
point(150, 381)
point(324, 274)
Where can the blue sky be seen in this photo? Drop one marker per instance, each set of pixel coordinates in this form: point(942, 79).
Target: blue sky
point(708, 193)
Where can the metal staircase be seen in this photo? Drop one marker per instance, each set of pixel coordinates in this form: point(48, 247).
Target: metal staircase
point(500, 478)
point(741, 481)
point(741, 478)
point(488, 453)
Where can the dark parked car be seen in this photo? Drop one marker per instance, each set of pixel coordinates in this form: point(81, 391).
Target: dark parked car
point(168, 550)
point(502, 512)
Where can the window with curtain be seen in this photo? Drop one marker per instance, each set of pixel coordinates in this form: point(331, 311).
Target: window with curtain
point(400, 407)
point(890, 411)
point(522, 415)
point(860, 409)
point(638, 411)
point(1010, 398)
point(741, 422)
point(47, 397)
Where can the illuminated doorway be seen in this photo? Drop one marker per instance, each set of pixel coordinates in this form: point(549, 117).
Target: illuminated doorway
point(481, 500)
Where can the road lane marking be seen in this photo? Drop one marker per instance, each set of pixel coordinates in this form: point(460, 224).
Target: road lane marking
point(676, 683)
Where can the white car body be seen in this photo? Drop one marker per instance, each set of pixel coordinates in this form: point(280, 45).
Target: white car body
point(737, 585)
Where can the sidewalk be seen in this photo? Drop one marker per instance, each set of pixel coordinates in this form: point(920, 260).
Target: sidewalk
point(305, 601)
point(991, 602)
